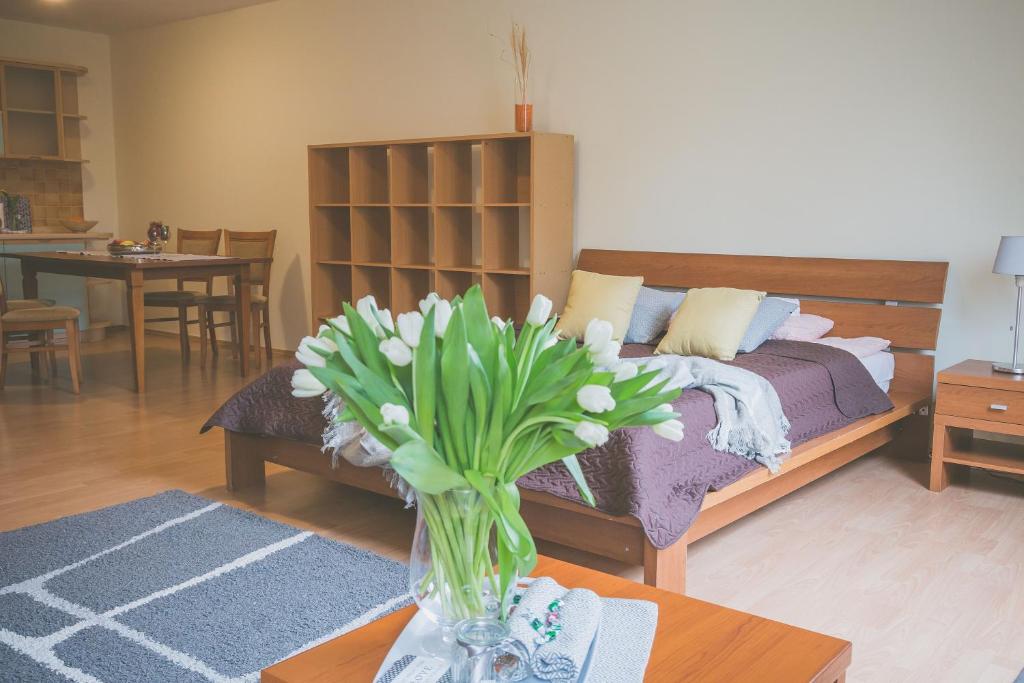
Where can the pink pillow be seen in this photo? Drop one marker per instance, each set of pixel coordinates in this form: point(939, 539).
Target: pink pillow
point(803, 327)
point(862, 347)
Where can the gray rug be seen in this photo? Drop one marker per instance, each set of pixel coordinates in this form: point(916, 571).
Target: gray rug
point(177, 588)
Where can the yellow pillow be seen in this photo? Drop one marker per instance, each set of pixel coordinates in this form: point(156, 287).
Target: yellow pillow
point(711, 322)
point(592, 295)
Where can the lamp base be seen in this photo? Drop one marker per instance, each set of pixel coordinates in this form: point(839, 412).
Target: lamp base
point(1007, 368)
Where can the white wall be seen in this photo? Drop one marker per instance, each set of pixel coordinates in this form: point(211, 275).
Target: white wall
point(21, 40)
point(796, 127)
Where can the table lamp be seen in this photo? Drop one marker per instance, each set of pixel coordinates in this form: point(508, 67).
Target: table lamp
point(1010, 261)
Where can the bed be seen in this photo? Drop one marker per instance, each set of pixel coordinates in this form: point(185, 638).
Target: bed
point(650, 519)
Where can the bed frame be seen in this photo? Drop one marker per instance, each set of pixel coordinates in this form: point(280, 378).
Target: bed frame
point(896, 300)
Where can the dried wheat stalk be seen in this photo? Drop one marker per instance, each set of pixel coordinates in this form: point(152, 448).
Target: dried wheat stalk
point(520, 60)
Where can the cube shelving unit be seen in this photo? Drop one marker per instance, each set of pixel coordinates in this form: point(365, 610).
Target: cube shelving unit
point(401, 218)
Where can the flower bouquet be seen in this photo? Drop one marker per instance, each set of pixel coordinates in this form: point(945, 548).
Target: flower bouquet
point(467, 406)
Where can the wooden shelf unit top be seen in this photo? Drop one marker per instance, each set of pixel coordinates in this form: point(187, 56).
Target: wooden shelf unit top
point(401, 218)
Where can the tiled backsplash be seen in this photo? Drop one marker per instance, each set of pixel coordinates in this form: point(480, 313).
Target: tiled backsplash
point(54, 189)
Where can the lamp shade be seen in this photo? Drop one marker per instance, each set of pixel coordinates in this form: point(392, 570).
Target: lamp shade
point(1010, 257)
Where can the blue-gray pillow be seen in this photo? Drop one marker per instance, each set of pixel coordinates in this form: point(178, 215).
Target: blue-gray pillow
point(651, 313)
point(770, 315)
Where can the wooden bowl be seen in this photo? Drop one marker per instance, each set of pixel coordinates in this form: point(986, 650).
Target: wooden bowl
point(78, 224)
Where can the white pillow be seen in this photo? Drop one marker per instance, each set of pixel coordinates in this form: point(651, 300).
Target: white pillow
point(803, 327)
point(862, 347)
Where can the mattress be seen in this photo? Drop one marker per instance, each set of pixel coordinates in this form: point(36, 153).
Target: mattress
point(881, 366)
point(660, 483)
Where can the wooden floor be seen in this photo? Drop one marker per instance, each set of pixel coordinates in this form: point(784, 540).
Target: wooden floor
point(929, 587)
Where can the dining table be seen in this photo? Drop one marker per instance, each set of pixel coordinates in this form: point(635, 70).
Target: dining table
point(135, 271)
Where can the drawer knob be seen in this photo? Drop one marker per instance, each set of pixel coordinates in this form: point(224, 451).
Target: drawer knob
point(997, 406)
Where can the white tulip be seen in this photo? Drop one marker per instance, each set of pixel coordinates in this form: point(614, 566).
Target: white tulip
point(540, 310)
point(442, 316)
point(595, 398)
point(591, 433)
point(341, 323)
point(367, 308)
point(384, 318)
point(625, 371)
point(608, 356)
point(307, 355)
point(395, 350)
point(549, 342)
point(410, 327)
point(669, 429)
point(598, 335)
point(499, 323)
point(305, 385)
point(323, 328)
point(393, 414)
point(427, 303)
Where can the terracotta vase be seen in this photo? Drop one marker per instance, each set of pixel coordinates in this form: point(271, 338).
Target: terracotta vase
point(524, 117)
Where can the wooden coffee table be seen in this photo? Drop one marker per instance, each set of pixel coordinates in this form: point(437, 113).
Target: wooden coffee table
point(695, 641)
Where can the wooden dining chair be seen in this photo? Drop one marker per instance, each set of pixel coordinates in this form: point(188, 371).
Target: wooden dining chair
point(200, 242)
point(38, 325)
point(245, 245)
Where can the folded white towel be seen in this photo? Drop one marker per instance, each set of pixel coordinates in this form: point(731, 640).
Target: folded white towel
point(562, 658)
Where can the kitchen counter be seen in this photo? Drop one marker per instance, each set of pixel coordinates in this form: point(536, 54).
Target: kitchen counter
point(54, 236)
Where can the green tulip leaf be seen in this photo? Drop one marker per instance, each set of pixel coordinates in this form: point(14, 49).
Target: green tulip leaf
point(423, 468)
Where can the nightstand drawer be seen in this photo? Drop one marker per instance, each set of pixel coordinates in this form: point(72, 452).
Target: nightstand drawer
point(980, 403)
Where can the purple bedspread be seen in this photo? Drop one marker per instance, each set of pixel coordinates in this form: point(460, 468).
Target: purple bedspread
point(637, 473)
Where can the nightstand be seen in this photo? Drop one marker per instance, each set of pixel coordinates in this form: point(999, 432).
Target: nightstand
point(971, 395)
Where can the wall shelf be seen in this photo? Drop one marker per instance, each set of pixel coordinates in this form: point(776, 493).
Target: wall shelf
point(39, 117)
point(399, 219)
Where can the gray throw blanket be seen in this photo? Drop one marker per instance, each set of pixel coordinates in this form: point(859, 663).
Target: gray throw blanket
point(750, 418)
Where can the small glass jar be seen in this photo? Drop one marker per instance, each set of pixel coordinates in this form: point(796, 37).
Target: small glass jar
point(487, 653)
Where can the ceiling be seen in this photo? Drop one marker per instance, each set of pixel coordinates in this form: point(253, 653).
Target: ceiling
point(113, 16)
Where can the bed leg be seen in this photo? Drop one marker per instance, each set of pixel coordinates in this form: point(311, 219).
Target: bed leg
point(242, 470)
point(666, 569)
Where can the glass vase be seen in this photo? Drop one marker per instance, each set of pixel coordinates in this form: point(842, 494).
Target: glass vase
point(453, 565)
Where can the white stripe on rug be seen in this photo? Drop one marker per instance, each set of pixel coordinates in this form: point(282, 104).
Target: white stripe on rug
point(90, 618)
point(47, 658)
point(22, 586)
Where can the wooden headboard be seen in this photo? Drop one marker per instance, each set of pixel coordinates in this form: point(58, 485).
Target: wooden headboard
point(896, 300)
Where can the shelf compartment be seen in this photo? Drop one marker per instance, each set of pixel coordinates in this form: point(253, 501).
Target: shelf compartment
point(69, 93)
point(371, 234)
point(29, 88)
point(458, 237)
point(408, 286)
point(332, 285)
point(410, 174)
point(990, 455)
point(506, 238)
point(332, 234)
point(455, 172)
point(32, 135)
point(72, 138)
point(368, 170)
point(452, 283)
point(412, 236)
point(372, 280)
point(328, 175)
point(507, 296)
point(506, 170)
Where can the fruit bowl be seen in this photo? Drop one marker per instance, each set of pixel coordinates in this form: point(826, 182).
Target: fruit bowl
point(78, 224)
point(131, 248)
